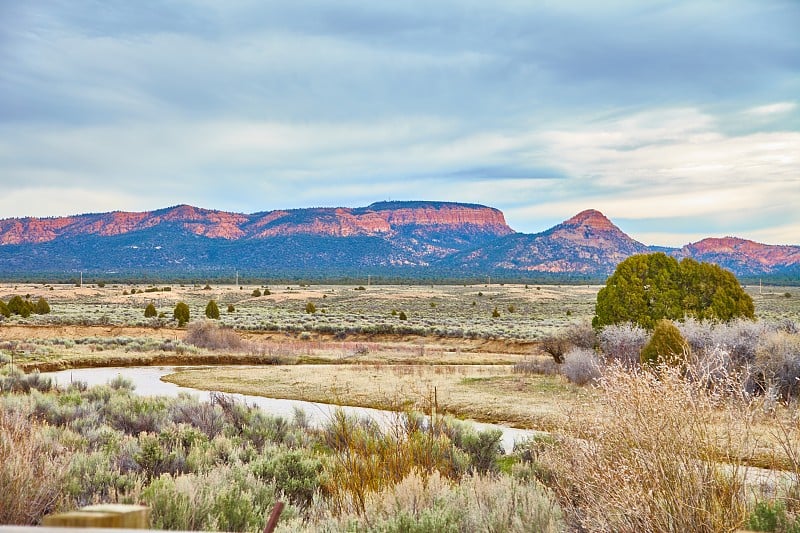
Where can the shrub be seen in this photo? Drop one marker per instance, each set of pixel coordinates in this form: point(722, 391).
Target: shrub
point(231, 308)
point(41, 307)
point(772, 516)
point(667, 346)
point(150, 311)
point(778, 364)
point(555, 347)
point(181, 313)
point(495, 313)
point(582, 335)
point(542, 366)
point(295, 473)
point(623, 343)
point(18, 306)
point(210, 335)
point(483, 449)
point(212, 310)
point(207, 287)
point(256, 292)
point(402, 316)
point(581, 366)
point(227, 499)
point(311, 308)
point(420, 503)
point(134, 414)
point(204, 416)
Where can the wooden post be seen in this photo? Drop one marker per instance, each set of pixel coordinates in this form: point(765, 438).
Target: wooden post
point(272, 523)
point(103, 515)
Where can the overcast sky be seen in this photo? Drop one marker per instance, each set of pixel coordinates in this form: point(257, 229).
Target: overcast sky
point(678, 120)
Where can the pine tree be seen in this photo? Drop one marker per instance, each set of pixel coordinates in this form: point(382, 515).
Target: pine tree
point(18, 306)
point(181, 313)
point(212, 310)
point(150, 311)
point(646, 288)
point(41, 307)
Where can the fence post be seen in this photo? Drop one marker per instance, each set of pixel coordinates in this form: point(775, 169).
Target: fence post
point(273, 517)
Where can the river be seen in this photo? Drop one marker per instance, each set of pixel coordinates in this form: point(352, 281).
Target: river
point(147, 380)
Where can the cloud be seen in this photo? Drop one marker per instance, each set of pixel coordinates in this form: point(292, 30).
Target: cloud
point(778, 108)
point(663, 111)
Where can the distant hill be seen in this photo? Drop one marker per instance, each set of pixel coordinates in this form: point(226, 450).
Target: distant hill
point(587, 244)
point(398, 240)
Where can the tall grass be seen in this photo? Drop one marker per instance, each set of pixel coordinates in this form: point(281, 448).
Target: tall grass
point(651, 461)
point(32, 470)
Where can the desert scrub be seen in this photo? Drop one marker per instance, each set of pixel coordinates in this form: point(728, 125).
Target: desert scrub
point(433, 503)
point(229, 498)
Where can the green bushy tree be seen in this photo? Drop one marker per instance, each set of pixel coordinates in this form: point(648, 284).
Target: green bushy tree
point(649, 287)
point(666, 346)
point(41, 307)
point(4, 310)
point(311, 308)
point(181, 313)
point(150, 311)
point(19, 306)
point(212, 310)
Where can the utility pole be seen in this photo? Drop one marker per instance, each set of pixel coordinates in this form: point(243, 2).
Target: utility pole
point(369, 280)
point(237, 278)
point(81, 283)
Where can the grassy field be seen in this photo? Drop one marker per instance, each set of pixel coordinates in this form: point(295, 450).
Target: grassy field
point(370, 357)
point(525, 312)
point(485, 393)
point(355, 350)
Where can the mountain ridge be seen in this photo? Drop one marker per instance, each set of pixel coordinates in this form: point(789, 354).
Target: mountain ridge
point(398, 238)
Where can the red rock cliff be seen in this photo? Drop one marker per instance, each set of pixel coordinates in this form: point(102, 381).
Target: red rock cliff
point(339, 222)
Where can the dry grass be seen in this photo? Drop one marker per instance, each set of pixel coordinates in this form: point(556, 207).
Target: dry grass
point(32, 470)
point(651, 459)
point(485, 393)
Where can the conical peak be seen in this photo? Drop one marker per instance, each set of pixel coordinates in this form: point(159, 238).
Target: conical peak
point(591, 218)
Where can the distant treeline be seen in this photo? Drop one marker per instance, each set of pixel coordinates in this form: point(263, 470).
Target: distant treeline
point(408, 276)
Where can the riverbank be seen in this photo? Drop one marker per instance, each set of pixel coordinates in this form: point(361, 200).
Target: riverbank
point(487, 393)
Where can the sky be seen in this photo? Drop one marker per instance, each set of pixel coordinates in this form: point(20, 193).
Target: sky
point(678, 120)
